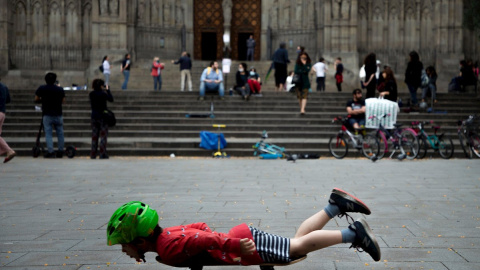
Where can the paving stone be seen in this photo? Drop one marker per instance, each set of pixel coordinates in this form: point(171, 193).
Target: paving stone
point(421, 217)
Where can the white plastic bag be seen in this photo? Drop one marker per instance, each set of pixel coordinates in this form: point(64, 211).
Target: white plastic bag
point(362, 74)
point(376, 109)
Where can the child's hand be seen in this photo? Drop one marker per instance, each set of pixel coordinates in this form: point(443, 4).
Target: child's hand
point(247, 246)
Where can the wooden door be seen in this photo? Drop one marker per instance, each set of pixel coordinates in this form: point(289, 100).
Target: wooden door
point(208, 21)
point(246, 20)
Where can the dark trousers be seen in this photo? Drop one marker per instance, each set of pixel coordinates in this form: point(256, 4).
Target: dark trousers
point(321, 84)
point(99, 130)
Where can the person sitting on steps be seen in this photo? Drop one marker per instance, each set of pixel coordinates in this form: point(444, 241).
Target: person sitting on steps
point(356, 110)
point(211, 80)
point(135, 226)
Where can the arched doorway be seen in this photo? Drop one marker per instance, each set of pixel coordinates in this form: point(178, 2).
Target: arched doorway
point(246, 21)
point(209, 28)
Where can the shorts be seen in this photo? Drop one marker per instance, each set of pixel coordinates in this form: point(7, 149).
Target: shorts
point(360, 122)
point(271, 248)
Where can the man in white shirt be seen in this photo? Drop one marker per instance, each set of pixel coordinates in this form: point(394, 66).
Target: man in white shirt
point(320, 69)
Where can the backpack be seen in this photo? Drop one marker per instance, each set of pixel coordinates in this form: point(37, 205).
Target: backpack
point(101, 68)
point(424, 80)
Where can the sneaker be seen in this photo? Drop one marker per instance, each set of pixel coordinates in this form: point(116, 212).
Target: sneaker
point(365, 239)
point(347, 202)
point(104, 156)
point(201, 98)
point(49, 155)
point(59, 154)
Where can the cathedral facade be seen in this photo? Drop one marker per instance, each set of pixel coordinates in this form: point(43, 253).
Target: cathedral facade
point(73, 36)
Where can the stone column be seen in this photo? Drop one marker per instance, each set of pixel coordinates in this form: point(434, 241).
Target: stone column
point(4, 21)
point(109, 32)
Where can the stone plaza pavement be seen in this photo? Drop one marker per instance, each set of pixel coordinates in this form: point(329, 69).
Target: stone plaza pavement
point(54, 213)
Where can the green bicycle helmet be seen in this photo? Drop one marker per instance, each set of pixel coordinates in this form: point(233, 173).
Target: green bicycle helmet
point(131, 220)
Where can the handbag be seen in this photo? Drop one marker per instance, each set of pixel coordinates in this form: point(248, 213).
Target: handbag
point(109, 118)
point(297, 80)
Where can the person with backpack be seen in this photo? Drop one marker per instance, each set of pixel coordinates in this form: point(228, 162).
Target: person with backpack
point(431, 85)
point(211, 80)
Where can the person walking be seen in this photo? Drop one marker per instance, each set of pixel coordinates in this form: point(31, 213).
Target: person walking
point(320, 69)
point(370, 83)
point(250, 48)
point(106, 69)
point(98, 103)
point(157, 73)
point(126, 63)
point(52, 97)
point(413, 76)
point(303, 68)
point(185, 71)
point(339, 73)
point(4, 148)
point(280, 61)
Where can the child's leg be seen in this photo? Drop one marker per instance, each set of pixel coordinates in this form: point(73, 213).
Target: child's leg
point(340, 202)
point(314, 241)
point(313, 223)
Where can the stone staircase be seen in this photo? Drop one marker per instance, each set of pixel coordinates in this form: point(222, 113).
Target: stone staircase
point(155, 123)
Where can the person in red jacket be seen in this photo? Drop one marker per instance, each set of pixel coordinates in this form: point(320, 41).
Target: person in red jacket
point(157, 73)
point(135, 226)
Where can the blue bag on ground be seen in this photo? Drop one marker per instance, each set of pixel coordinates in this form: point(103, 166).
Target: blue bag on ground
point(209, 140)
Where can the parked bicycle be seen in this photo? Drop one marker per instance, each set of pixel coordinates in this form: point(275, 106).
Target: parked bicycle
point(399, 139)
point(439, 143)
point(338, 144)
point(469, 139)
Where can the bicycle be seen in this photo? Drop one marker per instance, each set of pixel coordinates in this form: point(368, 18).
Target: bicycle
point(441, 143)
point(469, 139)
point(403, 139)
point(267, 150)
point(338, 144)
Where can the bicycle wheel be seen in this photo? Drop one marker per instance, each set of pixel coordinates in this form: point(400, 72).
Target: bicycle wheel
point(370, 147)
point(463, 143)
point(382, 144)
point(338, 146)
point(445, 147)
point(475, 144)
point(423, 147)
point(409, 143)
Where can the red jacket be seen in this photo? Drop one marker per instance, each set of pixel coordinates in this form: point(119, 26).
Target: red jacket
point(156, 69)
point(177, 245)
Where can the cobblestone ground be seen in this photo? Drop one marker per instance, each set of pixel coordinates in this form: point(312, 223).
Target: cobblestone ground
point(425, 214)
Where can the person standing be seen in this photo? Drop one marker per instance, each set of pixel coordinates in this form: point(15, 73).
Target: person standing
point(320, 69)
point(250, 48)
point(185, 71)
point(413, 76)
point(303, 68)
point(339, 73)
point(52, 97)
point(157, 73)
point(106, 69)
point(98, 102)
point(4, 148)
point(370, 83)
point(126, 63)
point(280, 61)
